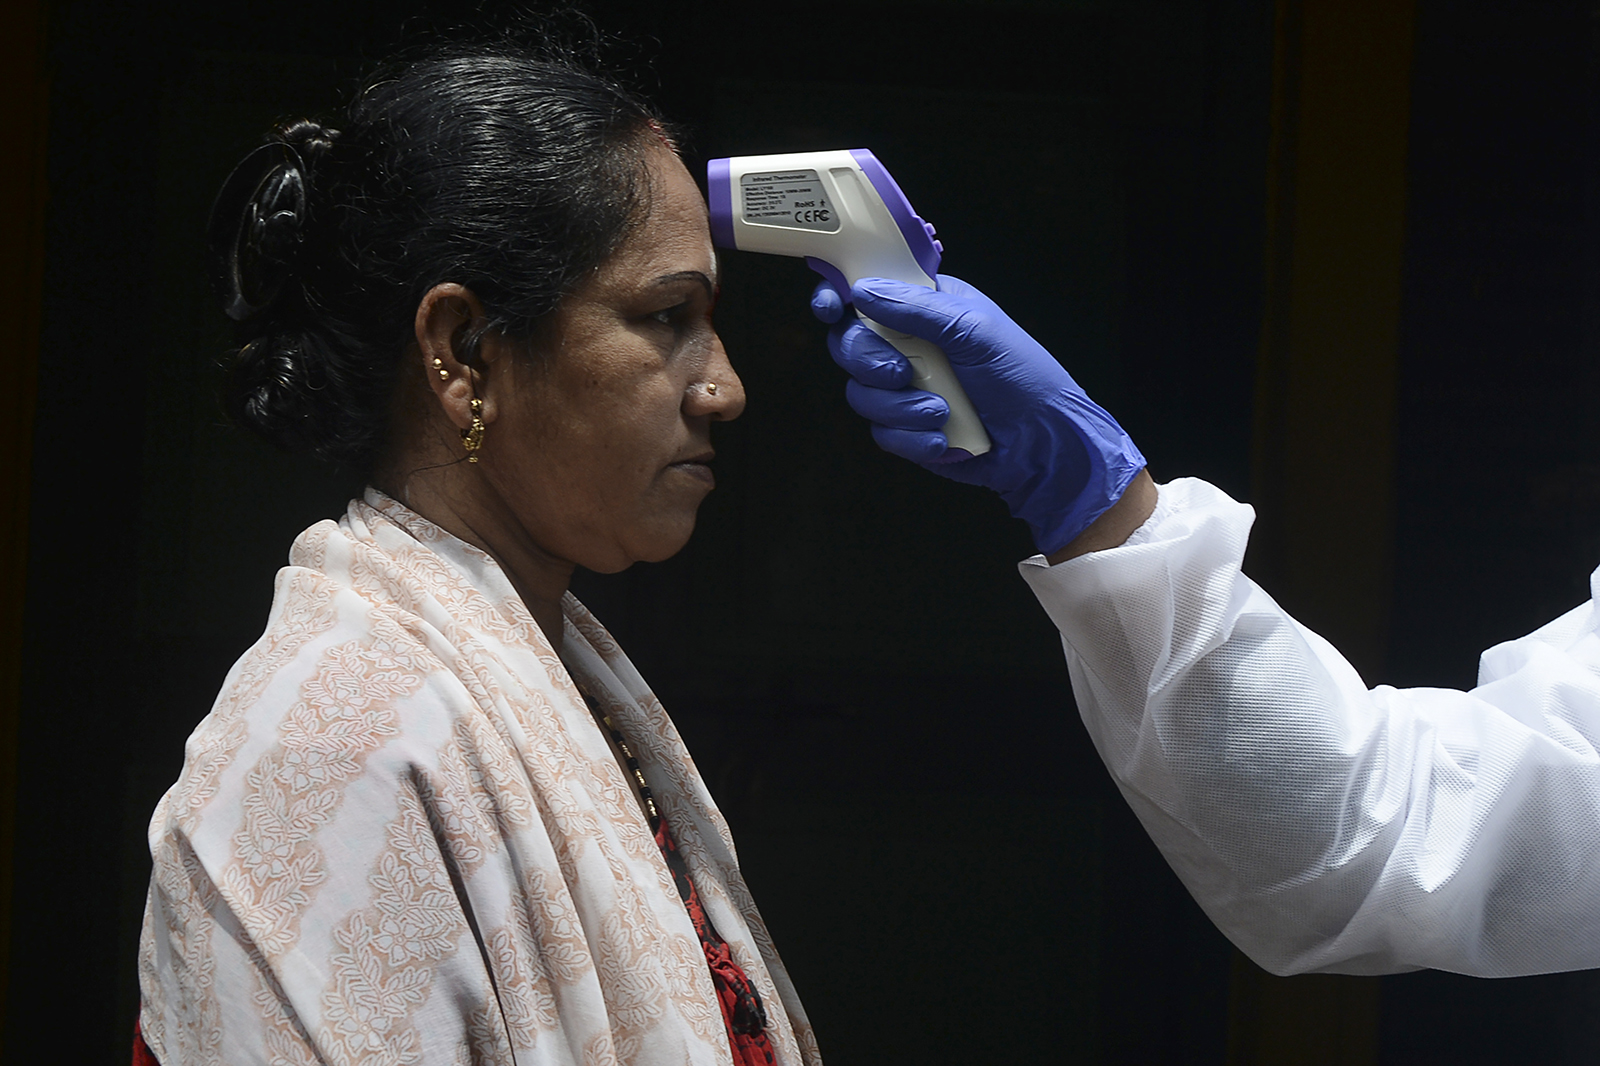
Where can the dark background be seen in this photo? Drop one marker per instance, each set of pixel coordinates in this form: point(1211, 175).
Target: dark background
point(869, 688)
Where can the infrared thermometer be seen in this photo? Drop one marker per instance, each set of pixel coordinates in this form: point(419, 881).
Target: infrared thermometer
point(844, 214)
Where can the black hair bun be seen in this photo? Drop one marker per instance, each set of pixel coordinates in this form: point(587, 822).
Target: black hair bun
point(259, 254)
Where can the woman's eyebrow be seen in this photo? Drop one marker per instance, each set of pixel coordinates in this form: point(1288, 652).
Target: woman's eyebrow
point(688, 275)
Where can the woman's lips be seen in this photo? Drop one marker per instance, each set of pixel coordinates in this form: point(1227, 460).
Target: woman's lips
point(699, 469)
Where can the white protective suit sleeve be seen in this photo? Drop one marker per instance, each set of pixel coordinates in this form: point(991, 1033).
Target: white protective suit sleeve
point(1324, 826)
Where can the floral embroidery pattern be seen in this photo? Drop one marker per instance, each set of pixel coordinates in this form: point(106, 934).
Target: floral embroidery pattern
point(343, 714)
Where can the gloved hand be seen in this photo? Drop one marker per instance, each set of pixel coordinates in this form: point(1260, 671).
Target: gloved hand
point(1058, 460)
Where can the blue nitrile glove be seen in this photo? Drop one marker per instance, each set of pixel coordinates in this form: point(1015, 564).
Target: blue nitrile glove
point(1058, 460)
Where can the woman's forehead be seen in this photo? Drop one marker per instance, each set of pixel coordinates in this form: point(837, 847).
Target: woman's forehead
point(674, 237)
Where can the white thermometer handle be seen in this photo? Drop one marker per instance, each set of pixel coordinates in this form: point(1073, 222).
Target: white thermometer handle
point(930, 371)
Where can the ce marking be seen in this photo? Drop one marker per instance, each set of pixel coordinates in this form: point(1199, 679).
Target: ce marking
point(812, 214)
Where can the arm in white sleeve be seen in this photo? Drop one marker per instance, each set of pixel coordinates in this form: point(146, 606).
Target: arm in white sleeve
point(1321, 825)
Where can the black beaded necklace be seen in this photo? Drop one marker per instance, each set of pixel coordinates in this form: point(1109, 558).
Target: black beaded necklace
point(652, 815)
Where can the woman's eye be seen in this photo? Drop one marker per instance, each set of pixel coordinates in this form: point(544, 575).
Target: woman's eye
point(669, 316)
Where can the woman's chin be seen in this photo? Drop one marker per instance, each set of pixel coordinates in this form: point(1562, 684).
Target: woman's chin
point(657, 546)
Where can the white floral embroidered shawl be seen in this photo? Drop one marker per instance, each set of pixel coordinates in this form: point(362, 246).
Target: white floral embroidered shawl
point(399, 837)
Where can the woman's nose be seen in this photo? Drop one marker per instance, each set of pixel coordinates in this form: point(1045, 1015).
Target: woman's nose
point(719, 393)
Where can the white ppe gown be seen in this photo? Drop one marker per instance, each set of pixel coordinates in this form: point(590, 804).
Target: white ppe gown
point(1322, 825)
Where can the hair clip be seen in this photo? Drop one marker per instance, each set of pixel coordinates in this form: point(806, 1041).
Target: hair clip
point(255, 228)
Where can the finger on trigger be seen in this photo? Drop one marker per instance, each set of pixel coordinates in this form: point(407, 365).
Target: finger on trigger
point(826, 303)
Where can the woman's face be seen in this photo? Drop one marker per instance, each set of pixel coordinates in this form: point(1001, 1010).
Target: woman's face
point(603, 448)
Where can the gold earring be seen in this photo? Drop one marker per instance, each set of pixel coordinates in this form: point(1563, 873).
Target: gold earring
point(438, 364)
point(472, 436)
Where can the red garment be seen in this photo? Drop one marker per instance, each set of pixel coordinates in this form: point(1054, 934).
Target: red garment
point(142, 1055)
point(742, 1011)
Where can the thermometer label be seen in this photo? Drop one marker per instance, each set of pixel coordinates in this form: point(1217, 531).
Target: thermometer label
point(792, 199)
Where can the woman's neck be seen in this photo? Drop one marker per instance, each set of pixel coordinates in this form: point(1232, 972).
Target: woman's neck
point(539, 578)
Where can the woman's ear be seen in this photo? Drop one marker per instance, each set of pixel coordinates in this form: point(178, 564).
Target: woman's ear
point(447, 316)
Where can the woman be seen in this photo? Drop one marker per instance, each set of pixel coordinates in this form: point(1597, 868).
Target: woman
point(435, 815)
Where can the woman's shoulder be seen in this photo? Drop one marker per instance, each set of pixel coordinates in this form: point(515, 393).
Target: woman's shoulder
point(379, 645)
point(339, 683)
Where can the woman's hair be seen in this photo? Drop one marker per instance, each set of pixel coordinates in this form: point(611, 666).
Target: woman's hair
point(509, 170)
